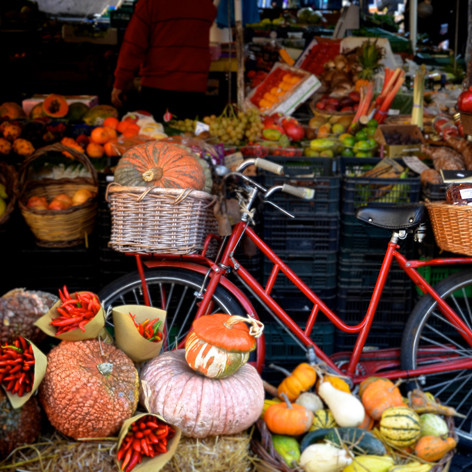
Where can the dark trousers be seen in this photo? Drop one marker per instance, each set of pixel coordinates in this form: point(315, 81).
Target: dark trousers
point(181, 104)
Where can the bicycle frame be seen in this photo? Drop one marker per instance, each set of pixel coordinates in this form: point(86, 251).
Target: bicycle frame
point(217, 275)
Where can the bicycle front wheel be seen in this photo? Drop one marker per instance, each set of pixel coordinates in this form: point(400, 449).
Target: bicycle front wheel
point(428, 332)
point(178, 292)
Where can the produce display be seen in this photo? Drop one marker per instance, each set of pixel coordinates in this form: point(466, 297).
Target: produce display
point(401, 433)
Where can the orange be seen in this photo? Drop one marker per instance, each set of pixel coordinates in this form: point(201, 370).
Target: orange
point(99, 135)
point(66, 199)
point(56, 204)
point(112, 134)
point(131, 130)
point(111, 122)
point(40, 203)
point(94, 149)
point(109, 148)
point(122, 125)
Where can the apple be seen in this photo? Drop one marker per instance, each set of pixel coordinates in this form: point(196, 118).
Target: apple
point(293, 129)
point(355, 96)
point(38, 203)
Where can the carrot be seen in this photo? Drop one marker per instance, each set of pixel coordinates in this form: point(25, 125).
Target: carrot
point(381, 113)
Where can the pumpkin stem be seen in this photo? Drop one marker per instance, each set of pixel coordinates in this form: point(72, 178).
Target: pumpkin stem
point(255, 329)
point(286, 400)
point(152, 174)
point(280, 369)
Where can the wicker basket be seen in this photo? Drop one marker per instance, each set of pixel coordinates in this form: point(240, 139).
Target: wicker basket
point(64, 228)
point(452, 226)
point(9, 178)
point(160, 220)
point(268, 460)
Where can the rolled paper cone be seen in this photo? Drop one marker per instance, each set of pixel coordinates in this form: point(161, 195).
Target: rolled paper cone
point(40, 365)
point(151, 464)
point(127, 336)
point(92, 328)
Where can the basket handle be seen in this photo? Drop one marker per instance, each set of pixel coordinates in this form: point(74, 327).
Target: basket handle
point(58, 147)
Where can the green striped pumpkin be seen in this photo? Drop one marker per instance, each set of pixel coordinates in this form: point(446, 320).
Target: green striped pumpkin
point(400, 426)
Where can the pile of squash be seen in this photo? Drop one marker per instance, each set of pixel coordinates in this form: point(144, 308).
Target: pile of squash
point(319, 425)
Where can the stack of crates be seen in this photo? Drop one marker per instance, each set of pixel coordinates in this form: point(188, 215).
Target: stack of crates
point(308, 243)
point(362, 251)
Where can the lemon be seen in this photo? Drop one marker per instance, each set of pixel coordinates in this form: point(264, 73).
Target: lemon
point(363, 145)
point(347, 152)
point(338, 128)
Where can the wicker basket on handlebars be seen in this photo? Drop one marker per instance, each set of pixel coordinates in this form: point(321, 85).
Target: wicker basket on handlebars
point(452, 226)
point(160, 220)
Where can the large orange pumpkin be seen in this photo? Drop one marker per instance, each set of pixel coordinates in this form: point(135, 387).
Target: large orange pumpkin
point(160, 164)
point(198, 405)
point(89, 389)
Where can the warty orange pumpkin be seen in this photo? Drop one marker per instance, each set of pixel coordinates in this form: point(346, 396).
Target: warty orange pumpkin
point(89, 389)
point(160, 164)
point(198, 405)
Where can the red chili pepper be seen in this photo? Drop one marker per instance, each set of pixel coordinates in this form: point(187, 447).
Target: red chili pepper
point(66, 292)
point(136, 459)
point(127, 458)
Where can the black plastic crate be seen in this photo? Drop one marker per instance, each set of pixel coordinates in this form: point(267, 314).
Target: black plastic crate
point(325, 200)
point(298, 307)
point(394, 306)
point(434, 192)
point(282, 347)
point(358, 192)
point(318, 271)
point(381, 336)
point(360, 237)
point(304, 166)
point(355, 269)
point(302, 235)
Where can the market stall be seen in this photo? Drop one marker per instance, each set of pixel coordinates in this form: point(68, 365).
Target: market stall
point(354, 121)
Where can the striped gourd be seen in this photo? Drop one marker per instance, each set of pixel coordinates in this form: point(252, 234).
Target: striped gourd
point(322, 419)
point(400, 426)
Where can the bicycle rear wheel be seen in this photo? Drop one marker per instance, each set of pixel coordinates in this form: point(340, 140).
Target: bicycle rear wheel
point(427, 329)
point(178, 292)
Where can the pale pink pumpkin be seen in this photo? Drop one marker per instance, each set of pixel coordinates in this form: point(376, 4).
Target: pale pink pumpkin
point(198, 405)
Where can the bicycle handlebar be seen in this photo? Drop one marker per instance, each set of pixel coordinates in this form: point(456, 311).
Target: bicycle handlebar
point(300, 192)
point(269, 166)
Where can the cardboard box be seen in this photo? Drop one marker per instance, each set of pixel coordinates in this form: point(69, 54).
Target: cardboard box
point(398, 150)
point(29, 103)
point(288, 99)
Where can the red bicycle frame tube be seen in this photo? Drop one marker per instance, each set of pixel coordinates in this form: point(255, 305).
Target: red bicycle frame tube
point(228, 262)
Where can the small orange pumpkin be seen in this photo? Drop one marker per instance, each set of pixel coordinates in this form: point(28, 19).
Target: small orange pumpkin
point(288, 418)
point(302, 378)
point(379, 395)
point(434, 448)
point(220, 344)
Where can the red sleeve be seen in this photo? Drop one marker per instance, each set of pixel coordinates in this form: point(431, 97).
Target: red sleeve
point(134, 46)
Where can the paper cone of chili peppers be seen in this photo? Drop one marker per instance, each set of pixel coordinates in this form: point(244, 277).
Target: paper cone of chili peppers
point(91, 329)
point(127, 335)
point(148, 464)
point(40, 364)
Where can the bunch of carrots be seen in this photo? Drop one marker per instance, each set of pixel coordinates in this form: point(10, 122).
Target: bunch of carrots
point(75, 310)
point(378, 108)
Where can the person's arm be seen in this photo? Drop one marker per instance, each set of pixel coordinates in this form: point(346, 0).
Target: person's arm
point(133, 50)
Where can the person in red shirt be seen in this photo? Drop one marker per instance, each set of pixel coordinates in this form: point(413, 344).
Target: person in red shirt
point(166, 44)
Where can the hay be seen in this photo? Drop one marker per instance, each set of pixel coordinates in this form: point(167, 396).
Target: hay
point(212, 454)
point(56, 454)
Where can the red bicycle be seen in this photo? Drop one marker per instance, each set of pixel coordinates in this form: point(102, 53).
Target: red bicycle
point(436, 348)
